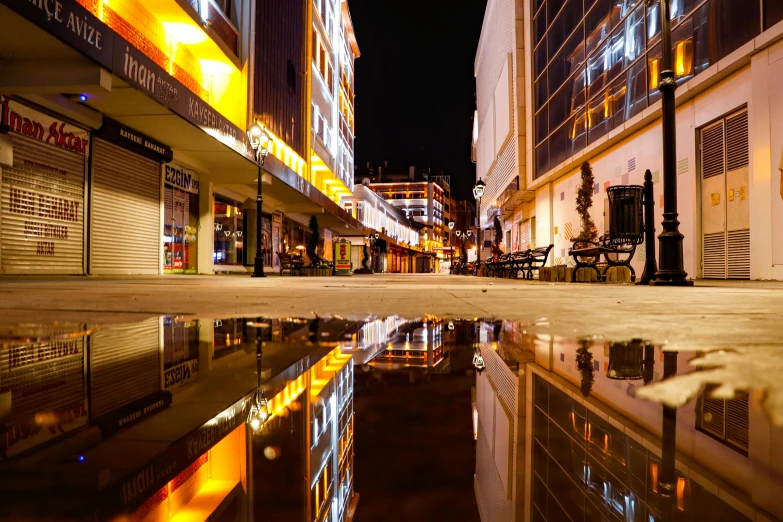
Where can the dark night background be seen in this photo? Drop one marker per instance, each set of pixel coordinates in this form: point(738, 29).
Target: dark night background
point(415, 86)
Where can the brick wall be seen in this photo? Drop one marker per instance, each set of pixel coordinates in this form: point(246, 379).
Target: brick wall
point(137, 25)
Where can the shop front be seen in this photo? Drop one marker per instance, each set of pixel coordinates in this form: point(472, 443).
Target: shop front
point(180, 219)
point(125, 201)
point(230, 225)
point(42, 175)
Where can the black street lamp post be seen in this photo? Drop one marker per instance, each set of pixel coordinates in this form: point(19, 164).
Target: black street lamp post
point(451, 242)
point(478, 191)
point(259, 141)
point(670, 269)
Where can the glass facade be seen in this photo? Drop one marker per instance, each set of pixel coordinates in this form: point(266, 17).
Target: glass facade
point(229, 232)
point(180, 226)
point(586, 469)
point(596, 63)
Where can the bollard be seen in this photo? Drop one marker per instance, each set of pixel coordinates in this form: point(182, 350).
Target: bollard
point(650, 266)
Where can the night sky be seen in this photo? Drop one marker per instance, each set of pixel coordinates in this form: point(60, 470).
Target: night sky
point(415, 86)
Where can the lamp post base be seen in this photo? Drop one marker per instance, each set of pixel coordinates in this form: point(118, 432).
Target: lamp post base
point(670, 260)
point(258, 268)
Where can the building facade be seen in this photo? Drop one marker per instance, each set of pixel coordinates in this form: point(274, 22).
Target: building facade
point(125, 152)
point(590, 87)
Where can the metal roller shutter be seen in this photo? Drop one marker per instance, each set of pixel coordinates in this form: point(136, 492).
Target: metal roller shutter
point(125, 227)
point(45, 232)
point(124, 365)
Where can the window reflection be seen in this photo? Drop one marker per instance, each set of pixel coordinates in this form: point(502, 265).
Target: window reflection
point(608, 69)
point(229, 232)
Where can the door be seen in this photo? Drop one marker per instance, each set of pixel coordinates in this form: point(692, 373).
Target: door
point(125, 220)
point(725, 204)
point(180, 224)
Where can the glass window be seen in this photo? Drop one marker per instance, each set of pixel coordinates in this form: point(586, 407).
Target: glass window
point(598, 24)
point(541, 92)
point(773, 13)
point(567, 60)
point(229, 232)
point(539, 26)
point(564, 25)
point(636, 98)
point(634, 37)
point(542, 124)
point(540, 59)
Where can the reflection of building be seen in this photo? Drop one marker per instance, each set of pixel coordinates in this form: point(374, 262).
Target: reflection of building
point(125, 450)
point(545, 451)
point(589, 92)
point(415, 345)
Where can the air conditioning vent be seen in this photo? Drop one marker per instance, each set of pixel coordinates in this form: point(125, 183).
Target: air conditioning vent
point(715, 256)
point(713, 160)
point(737, 155)
point(739, 254)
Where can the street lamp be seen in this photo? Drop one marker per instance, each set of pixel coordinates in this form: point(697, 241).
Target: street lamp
point(259, 142)
point(478, 191)
point(451, 242)
point(670, 269)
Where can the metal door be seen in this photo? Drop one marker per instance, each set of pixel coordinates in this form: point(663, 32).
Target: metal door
point(42, 210)
point(725, 214)
point(125, 228)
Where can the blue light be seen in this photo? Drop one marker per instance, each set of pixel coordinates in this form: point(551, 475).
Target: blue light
point(82, 98)
point(81, 458)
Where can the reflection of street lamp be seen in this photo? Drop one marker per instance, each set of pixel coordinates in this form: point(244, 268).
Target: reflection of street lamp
point(478, 361)
point(259, 142)
point(478, 191)
point(451, 242)
point(260, 409)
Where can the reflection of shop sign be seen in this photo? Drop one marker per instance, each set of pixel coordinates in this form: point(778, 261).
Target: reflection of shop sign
point(29, 354)
point(36, 125)
point(180, 374)
point(134, 412)
point(27, 434)
point(136, 489)
point(177, 176)
point(342, 257)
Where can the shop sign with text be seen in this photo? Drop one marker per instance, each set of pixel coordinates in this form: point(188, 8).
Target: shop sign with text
point(342, 257)
point(181, 178)
point(79, 28)
point(33, 124)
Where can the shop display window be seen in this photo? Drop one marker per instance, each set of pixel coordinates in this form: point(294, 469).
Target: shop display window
point(180, 226)
point(229, 233)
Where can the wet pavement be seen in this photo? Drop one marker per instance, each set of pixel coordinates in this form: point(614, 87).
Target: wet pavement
point(381, 418)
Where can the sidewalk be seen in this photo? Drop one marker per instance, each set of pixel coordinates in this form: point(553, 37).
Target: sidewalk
point(709, 315)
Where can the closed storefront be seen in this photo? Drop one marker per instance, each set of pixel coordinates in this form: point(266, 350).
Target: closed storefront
point(125, 202)
point(125, 366)
point(42, 390)
point(180, 219)
point(43, 193)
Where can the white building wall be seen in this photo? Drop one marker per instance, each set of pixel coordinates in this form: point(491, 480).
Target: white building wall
point(625, 162)
point(497, 161)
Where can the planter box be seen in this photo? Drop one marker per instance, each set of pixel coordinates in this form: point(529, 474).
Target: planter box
point(316, 272)
point(586, 275)
point(618, 274)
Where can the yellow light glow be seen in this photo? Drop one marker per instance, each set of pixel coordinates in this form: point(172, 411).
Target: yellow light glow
point(228, 210)
point(680, 493)
point(683, 58)
point(217, 67)
point(184, 33)
point(653, 66)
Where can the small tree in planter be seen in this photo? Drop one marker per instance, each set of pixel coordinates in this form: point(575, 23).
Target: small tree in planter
point(496, 252)
point(315, 240)
point(584, 201)
point(584, 363)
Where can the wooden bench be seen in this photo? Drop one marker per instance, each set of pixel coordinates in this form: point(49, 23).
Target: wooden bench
point(626, 232)
point(291, 263)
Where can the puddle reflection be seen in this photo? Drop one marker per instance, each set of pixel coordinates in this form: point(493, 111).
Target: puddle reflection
point(189, 418)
